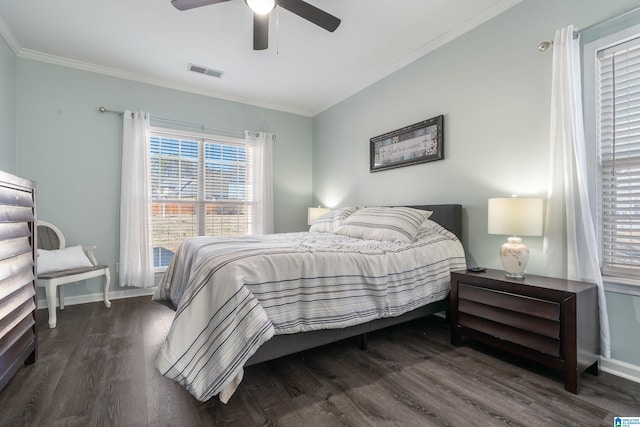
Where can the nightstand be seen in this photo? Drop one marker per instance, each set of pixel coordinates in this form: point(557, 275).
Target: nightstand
point(550, 321)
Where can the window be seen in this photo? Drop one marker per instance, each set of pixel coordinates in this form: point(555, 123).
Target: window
point(617, 135)
point(200, 185)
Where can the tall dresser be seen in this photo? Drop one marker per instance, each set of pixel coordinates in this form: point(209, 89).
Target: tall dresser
point(18, 339)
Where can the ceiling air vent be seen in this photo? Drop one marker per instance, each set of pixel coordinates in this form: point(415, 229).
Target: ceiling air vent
point(206, 71)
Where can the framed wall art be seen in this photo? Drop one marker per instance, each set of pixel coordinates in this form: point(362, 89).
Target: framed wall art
point(418, 143)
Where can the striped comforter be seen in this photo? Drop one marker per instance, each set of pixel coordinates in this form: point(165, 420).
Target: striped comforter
point(233, 294)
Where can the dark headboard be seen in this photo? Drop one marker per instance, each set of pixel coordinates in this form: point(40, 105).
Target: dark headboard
point(448, 216)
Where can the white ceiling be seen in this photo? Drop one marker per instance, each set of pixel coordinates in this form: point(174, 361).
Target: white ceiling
point(305, 70)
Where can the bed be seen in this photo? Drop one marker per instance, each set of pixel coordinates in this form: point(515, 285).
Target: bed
point(247, 299)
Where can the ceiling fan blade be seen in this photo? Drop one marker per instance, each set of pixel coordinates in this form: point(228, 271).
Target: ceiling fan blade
point(192, 4)
point(260, 31)
point(311, 13)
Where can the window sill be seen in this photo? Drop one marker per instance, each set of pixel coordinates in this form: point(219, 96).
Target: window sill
point(621, 285)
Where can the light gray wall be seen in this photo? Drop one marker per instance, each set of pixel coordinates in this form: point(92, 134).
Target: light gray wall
point(624, 321)
point(73, 151)
point(493, 87)
point(7, 108)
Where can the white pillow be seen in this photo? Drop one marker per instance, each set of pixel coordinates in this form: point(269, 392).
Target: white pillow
point(62, 259)
point(427, 228)
point(328, 222)
point(394, 224)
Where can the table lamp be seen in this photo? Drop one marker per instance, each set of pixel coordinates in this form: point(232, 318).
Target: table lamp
point(515, 216)
point(314, 213)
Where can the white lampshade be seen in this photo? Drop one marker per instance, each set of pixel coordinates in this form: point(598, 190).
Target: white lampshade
point(261, 7)
point(515, 216)
point(314, 213)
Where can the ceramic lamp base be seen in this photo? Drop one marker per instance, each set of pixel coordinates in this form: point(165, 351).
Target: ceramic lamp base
point(514, 256)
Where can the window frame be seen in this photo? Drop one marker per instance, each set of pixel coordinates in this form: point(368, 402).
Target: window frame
point(590, 96)
point(200, 202)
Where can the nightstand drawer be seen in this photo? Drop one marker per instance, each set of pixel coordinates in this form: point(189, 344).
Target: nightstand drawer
point(517, 303)
point(508, 333)
point(506, 316)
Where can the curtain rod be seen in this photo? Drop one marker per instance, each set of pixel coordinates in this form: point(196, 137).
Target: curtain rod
point(546, 45)
point(177, 122)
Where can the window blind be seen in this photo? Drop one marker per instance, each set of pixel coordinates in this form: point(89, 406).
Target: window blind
point(199, 186)
point(618, 120)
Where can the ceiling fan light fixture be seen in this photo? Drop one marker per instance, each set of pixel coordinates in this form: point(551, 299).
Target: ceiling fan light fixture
point(261, 7)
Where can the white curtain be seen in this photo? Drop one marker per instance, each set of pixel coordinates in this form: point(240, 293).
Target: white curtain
point(261, 145)
point(136, 257)
point(570, 246)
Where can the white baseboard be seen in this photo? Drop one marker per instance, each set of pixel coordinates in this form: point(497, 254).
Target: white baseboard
point(98, 297)
point(620, 369)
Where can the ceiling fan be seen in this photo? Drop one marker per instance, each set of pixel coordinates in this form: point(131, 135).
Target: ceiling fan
point(261, 10)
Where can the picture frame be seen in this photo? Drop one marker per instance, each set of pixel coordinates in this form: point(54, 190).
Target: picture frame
point(418, 143)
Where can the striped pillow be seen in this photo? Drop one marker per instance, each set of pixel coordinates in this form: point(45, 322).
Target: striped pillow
point(328, 222)
point(394, 224)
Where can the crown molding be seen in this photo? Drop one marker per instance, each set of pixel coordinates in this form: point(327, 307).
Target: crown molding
point(20, 52)
point(114, 72)
point(468, 25)
point(8, 36)
point(440, 41)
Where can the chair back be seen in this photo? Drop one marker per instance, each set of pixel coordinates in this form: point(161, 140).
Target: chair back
point(49, 236)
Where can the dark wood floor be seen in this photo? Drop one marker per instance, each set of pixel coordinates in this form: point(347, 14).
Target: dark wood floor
point(96, 369)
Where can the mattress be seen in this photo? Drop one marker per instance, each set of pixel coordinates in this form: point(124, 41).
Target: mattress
point(232, 294)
